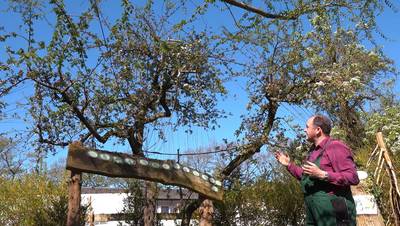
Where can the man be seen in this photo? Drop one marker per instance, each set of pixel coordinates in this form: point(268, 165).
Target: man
point(326, 176)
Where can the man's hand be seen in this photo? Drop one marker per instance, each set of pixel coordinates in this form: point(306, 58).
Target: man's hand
point(314, 171)
point(282, 158)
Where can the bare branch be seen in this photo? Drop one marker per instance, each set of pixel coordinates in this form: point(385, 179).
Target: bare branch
point(84, 138)
point(82, 118)
point(163, 101)
point(47, 141)
point(10, 166)
point(259, 11)
point(4, 91)
point(157, 116)
point(67, 99)
point(247, 151)
point(289, 15)
point(250, 149)
point(116, 133)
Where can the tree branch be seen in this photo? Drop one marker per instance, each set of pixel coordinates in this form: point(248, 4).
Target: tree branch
point(259, 11)
point(82, 118)
point(289, 15)
point(83, 138)
point(188, 210)
point(12, 169)
point(47, 141)
point(163, 101)
point(250, 149)
point(4, 91)
point(67, 99)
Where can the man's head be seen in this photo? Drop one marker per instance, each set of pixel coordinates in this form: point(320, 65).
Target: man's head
point(317, 127)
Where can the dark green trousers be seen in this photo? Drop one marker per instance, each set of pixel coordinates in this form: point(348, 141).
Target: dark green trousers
point(320, 210)
point(324, 209)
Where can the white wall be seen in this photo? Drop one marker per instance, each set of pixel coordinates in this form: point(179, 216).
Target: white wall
point(111, 203)
point(163, 222)
point(105, 203)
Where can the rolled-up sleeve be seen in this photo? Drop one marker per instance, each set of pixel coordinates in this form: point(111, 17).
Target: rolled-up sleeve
point(295, 170)
point(344, 171)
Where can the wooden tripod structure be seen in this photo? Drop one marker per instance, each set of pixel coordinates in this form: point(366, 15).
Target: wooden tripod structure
point(113, 164)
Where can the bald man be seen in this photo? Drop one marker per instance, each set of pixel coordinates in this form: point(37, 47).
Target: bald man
point(326, 176)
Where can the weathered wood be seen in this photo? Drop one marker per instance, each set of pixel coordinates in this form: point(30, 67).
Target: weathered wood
point(150, 208)
point(74, 199)
point(188, 210)
point(206, 213)
point(392, 172)
point(394, 188)
point(90, 217)
point(123, 165)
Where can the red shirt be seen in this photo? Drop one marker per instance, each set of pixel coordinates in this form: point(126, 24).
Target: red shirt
point(337, 160)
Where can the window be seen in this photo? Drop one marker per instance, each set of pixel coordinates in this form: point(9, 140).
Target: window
point(164, 209)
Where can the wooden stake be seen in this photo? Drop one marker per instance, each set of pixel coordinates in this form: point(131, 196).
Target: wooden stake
point(150, 208)
point(206, 213)
point(395, 193)
point(74, 199)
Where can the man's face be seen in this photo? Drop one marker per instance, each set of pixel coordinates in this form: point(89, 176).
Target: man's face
point(312, 131)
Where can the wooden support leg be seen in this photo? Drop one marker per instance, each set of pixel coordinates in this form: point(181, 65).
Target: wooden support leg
point(74, 199)
point(206, 213)
point(150, 208)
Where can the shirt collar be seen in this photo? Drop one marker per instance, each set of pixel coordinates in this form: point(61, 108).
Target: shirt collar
point(323, 143)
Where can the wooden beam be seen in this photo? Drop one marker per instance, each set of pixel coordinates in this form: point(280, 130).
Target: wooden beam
point(116, 164)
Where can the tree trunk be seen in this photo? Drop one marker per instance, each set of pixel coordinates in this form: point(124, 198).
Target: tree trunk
point(354, 129)
point(187, 212)
point(206, 213)
point(136, 143)
point(74, 199)
point(150, 208)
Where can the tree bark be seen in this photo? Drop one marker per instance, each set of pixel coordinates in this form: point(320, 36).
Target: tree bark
point(187, 212)
point(150, 208)
point(74, 199)
point(135, 138)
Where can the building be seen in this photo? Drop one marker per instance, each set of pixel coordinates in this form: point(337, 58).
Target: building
point(106, 204)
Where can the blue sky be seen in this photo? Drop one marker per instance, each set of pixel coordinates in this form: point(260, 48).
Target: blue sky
point(235, 103)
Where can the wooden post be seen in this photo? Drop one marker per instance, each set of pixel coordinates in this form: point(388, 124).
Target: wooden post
point(206, 213)
point(74, 191)
point(395, 191)
point(91, 213)
point(74, 199)
point(150, 208)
